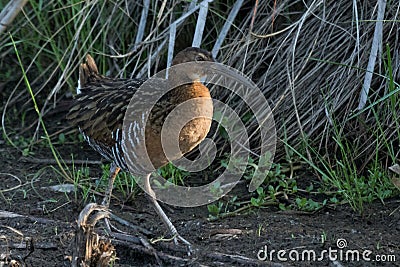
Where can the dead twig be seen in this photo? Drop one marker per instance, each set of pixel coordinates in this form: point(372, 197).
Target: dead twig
point(69, 162)
point(239, 259)
point(7, 214)
point(10, 11)
point(376, 45)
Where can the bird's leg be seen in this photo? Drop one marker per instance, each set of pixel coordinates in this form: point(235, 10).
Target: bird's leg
point(164, 216)
point(114, 170)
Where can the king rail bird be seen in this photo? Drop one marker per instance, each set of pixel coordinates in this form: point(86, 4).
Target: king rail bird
point(99, 110)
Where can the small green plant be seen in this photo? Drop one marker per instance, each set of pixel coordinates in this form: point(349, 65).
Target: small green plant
point(277, 183)
point(261, 197)
point(308, 204)
point(216, 189)
point(78, 176)
point(61, 138)
point(223, 208)
point(81, 179)
point(215, 209)
point(173, 174)
point(249, 165)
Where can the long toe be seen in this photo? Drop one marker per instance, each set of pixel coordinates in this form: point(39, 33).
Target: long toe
point(179, 239)
point(131, 226)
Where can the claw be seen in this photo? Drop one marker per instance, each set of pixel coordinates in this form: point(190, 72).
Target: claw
point(178, 238)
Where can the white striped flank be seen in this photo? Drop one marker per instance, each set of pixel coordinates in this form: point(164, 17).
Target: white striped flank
point(78, 89)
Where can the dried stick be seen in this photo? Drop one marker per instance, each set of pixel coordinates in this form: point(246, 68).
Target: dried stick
point(376, 43)
point(201, 22)
point(8, 14)
point(224, 31)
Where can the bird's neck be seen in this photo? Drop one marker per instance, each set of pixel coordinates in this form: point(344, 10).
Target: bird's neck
point(190, 91)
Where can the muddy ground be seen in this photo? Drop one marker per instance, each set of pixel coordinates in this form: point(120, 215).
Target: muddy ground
point(37, 227)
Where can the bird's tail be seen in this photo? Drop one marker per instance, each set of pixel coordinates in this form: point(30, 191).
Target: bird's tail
point(86, 71)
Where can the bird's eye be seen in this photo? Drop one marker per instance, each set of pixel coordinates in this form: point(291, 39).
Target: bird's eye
point(199, 58)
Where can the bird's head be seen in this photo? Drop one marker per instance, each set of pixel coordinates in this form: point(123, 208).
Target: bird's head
point(193, 72)
point(192, 54)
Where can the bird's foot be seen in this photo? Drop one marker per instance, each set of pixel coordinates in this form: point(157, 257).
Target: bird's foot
point(176, 236)
point(179, 239)
point(125, 223)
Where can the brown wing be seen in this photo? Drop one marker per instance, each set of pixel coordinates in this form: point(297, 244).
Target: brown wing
point(99, 113)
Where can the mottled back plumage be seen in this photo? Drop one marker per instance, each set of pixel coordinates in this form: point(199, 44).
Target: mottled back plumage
point(100, 107)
